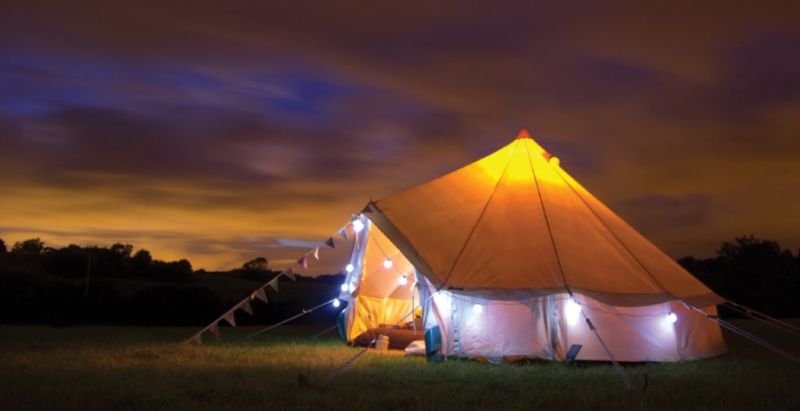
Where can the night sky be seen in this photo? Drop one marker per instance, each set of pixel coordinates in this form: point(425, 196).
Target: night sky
point(222, 131)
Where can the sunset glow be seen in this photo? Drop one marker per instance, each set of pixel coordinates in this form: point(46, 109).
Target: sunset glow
point(219, 135)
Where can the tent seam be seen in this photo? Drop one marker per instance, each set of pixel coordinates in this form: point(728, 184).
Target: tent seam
point(619, 241)
point(549, 228)
point(480, 217)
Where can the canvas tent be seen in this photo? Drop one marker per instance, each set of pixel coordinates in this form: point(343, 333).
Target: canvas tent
point(508, 256)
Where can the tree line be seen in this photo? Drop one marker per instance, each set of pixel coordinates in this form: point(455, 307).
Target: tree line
point(116, 285)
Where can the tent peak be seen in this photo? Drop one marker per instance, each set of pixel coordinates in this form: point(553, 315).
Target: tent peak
point(523, 133)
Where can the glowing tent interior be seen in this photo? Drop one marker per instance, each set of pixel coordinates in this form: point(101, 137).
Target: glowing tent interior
point(509, 257)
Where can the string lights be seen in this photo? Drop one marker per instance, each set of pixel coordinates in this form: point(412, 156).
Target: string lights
point(358, 225)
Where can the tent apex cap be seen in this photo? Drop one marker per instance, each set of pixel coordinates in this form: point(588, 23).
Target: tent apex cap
point(523, 133)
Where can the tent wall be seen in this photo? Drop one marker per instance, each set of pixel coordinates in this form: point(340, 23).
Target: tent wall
point(541, 327)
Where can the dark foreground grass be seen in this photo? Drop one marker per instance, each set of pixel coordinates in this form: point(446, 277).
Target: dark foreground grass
point(108, 368)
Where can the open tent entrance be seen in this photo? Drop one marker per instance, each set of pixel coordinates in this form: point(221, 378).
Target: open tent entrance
point(380, 288)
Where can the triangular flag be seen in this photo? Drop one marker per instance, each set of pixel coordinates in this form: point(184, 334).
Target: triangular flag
point(343, 233)
point(303, 262)
point(290, 274)
point(260, 294)
point(230, 318)
point(214, 328)
point(274, 284)
point(246, 307)
point(197, 339)
point(316, 252)
point(330, 243)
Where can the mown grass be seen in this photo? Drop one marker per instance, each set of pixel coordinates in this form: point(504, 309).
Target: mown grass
point(118, 368)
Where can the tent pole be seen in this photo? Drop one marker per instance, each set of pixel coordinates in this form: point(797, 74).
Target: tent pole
point(617, 367)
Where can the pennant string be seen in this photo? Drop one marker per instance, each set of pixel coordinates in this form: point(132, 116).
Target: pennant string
point(260, 294)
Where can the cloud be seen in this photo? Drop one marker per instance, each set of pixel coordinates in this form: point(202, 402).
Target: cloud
point(222, 122)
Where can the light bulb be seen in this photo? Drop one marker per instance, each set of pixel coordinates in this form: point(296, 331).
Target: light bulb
point(336, 302)
point(672, 318)
point(387, 263)
point(477, 308)
point(403, 280)
point(344, 287)
point(358, 225)
point(572, 310)
point(349, 268)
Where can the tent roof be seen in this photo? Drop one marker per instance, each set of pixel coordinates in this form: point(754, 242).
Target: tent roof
point(516, 220)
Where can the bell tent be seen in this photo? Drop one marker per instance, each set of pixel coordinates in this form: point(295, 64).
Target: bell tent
point(510, 257)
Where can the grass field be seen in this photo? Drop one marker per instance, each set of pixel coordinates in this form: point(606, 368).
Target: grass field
point(113, 368)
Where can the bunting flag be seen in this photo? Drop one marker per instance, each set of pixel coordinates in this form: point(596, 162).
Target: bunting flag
point(290, 274)
point(259, 294)
point(303, 262)
point(274, 283)
point(246, 307)
point(230, 318)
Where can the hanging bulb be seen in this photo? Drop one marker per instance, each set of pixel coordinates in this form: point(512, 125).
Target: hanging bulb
point(672, 318)
point(403, 280)
point(572, 311)
point(477, 308)
point(349, 268)
point(358, 225)
point(344, 287)
point(387, 263)
point(336, 302)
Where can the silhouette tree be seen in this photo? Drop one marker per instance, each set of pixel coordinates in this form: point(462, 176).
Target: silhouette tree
point(759, 274)
point(2, 246)
point(124, 250)
point(29, 246)
point(256, 264)
point(141, 262)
